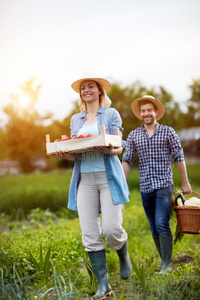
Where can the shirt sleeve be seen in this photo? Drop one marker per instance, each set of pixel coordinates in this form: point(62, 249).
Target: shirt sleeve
point(72, 122)
point(175, 146)
point(116, 122)
point(130, 150)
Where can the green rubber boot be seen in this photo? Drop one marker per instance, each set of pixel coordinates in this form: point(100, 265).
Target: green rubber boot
point(99, 266)
point(124, 260)
point(157, 243)
point(166, 252)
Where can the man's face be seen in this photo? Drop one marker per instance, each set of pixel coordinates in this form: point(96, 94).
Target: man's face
point(148, 113)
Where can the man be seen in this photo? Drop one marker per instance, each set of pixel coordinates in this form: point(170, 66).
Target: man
point(155, 144)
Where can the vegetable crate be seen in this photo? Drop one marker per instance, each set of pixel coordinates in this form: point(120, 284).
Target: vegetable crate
point(188, 218)
point(84, 143)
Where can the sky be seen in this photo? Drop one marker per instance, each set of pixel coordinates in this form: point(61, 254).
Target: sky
point(55, 41)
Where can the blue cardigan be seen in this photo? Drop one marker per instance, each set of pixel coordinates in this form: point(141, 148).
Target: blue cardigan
point(115, 174)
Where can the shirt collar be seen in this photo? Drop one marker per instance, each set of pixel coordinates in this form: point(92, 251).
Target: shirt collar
point(156, 130)
point(100, 111)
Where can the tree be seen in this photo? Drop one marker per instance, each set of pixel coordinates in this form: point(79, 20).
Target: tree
point(123, 97)
point(25, 135)
point(193, 114)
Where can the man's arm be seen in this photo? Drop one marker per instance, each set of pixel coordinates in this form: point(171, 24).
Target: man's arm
point(126, 168)
point(186, 188)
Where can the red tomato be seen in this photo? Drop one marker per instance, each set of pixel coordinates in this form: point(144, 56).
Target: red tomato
point(66, 139)
point(57, 140)
point(80, 136)
point(88, 135)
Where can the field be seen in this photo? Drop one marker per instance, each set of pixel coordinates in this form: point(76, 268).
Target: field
point(42, 256)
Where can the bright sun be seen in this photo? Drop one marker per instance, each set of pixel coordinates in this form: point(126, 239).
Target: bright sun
point(24, 100)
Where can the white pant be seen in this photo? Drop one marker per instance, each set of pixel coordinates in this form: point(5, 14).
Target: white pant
point(94, 196)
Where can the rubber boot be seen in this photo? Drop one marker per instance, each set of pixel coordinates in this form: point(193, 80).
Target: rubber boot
point(157, 243)
point(124, 260)
point(166, 252)
point(99, 266)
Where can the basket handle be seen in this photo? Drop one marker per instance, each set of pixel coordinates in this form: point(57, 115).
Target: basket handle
point(195, 193)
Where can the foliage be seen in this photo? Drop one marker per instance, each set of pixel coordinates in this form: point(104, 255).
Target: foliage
point(20, 194)
point(69, 274)
point(43, 266)
point(24, 130)
point(24, 134)
point(193, 115)
point(62, 290)
point(49, 192)
point(140, 274)
point(90, 275)
point(123, 97)
point(15, 287)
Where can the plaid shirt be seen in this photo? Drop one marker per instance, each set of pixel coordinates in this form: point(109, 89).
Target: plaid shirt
point(154, 154)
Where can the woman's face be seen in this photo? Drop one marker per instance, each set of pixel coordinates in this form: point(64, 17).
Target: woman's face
point(89, 91)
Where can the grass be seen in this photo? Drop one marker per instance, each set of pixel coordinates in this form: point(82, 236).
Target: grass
point(22, 193)
point(42, 256)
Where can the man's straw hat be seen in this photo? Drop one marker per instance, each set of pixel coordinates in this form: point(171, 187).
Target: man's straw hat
point(136, 109)
point(91, 76)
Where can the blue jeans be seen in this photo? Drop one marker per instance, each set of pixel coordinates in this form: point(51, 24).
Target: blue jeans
point(157, 206)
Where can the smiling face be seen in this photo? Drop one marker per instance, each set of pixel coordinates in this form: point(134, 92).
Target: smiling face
point(89, 91)
point(148, 113)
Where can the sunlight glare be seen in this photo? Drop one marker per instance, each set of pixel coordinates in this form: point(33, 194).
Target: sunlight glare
point(24, 100)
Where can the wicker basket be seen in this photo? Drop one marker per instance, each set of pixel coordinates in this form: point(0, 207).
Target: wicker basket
point(188, 218)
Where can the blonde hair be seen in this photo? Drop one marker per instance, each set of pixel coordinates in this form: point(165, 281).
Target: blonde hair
point(104, 100)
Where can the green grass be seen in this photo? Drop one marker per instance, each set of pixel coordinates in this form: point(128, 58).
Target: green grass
point(47, 234)
point(20, 194)
point(68, 259)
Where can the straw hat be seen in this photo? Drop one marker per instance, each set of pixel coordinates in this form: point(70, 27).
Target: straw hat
point(91, 76)
point(136, 109)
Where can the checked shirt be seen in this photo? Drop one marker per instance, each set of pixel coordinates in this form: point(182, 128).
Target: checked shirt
point(154, 155)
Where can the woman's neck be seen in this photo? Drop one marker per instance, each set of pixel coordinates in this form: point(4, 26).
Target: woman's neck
point(92, 108)
point(91, 113)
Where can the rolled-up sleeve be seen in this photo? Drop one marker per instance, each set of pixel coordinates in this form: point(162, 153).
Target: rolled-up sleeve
point(175, 146)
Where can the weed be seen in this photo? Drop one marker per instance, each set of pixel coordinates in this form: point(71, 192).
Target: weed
point(140, 274)
point(90, 275)
point(61, 290)
point(43, 266)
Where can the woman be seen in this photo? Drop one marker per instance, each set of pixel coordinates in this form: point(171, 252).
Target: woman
point(98, 184)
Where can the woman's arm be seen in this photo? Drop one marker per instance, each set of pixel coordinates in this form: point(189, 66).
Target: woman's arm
point(109, 150)
point(65, 155)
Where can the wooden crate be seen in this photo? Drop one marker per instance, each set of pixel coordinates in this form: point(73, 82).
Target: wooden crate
point(84, 144)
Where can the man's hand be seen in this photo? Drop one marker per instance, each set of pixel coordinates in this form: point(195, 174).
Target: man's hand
point(186, 188)
point(126, 167)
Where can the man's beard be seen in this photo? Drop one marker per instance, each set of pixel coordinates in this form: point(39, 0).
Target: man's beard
point(150, 120)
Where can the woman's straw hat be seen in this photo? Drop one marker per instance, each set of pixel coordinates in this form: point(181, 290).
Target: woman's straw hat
point(91, 76)
point(136, 109)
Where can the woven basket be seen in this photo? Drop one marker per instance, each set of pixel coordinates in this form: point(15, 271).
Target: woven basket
point(188, 218)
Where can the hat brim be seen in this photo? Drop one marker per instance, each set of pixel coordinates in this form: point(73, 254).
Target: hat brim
point(103, 82)
point(136, 109)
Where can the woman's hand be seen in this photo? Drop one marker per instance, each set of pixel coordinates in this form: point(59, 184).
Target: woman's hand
point(109, 150)
point(65, 155)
